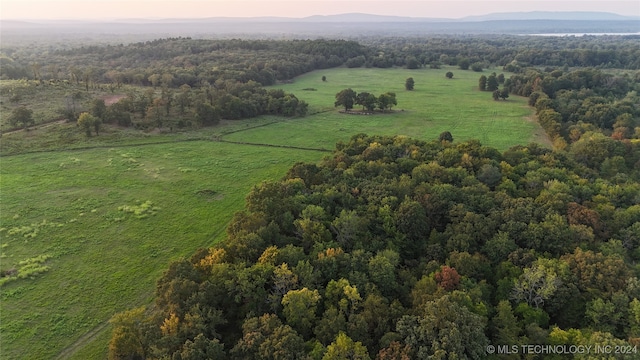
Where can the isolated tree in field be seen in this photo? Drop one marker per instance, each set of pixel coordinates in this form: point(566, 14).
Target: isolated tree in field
point(21, 116)
point(482, 83)
point(346, 98)
point(387, 100)
point(449, 75)
point(409, 84)
point(367, 100)
point(324, 78)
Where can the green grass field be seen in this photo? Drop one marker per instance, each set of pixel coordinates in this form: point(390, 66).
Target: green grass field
point(97, 225)
point(437, 104)
point(64, 205)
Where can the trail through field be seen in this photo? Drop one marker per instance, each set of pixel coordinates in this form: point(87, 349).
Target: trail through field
point(82, 341)
point(39, 126)
point(275, 146)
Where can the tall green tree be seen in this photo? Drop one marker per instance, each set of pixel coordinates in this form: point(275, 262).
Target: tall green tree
point(99, 109)
point(464, 63)
point(367, 100)
point(206, 115)
point(446, 330)
point(129, 339)
point(265, 337)
point(492, 82)
point(87, 121)
point(409, 84)
point(21, 115)
point(387, 101)
point(346, 98)
point(482, 83)
point(536, 284)
point(300, 309)
point(344, 348)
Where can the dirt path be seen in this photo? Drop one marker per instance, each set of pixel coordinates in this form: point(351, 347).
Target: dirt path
point(39, 126)
point(82, 341)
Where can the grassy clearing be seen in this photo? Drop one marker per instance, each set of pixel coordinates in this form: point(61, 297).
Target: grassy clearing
point(106, 222)
point(437, 104)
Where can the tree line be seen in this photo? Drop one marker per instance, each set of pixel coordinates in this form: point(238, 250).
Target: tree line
point(571, 104)
point(395, 248)
point(348, 98)
point(189, 107)
point(178, 61)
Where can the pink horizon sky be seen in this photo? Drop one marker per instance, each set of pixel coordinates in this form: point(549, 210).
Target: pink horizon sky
point(153, 9)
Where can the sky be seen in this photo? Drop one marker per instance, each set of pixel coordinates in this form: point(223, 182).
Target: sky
point(155, 9)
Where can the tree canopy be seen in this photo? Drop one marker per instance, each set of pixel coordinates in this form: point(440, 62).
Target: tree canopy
point(405, 248)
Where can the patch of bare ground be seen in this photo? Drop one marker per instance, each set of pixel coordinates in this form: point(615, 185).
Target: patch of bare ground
point(112, 99)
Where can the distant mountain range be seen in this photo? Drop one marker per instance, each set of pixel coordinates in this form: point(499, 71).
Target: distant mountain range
point(343, 25)
point(364, 18)
point(552, 15)
point(368, 18)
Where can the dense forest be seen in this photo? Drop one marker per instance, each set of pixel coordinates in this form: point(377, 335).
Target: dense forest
point(195, 61)
point(394, 248)
point(571, 103)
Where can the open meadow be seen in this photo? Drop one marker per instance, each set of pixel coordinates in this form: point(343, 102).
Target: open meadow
point(436, 104)
point(87, 232)
point(93, 230)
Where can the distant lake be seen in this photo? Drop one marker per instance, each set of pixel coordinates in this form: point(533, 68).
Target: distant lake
point(582, 34)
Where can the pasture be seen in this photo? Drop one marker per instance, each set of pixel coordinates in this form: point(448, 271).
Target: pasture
point(108, 222)
point(87, 232)
point(436, 104)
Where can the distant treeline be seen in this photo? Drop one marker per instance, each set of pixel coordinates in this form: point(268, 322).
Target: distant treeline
point(196, 61)
point(179, 61)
